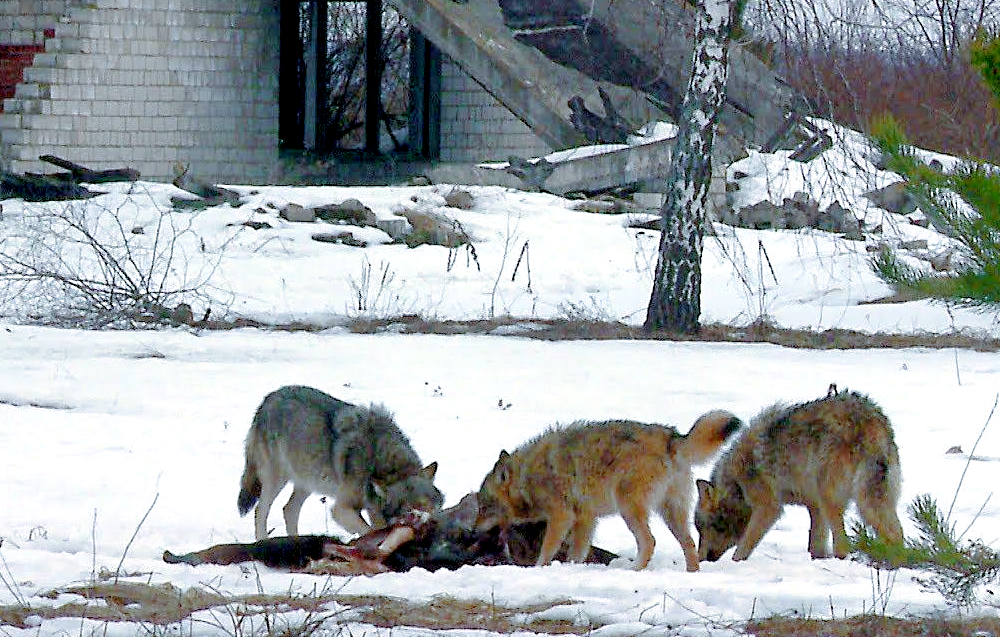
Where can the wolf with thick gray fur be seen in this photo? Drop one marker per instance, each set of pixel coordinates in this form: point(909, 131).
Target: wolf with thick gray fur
point(822, 454)
point(357, 455)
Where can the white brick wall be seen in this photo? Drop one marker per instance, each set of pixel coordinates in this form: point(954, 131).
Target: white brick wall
point(475, 126)
point(25, 21)
point(126, 82)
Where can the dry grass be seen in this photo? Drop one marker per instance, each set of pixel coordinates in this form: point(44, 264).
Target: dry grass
point(164, 604)
point(758, 332)
point(449, 613)
point(874, 625)
point(578, 329)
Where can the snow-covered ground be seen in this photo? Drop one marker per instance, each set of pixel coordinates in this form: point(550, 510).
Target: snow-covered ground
point(100, 427)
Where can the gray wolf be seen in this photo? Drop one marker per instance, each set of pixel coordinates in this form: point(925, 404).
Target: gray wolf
point(324, 445)
point(571, 476)
point(823, 455)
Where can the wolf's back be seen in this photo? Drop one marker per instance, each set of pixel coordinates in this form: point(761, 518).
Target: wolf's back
point(289, 418)
point(847, 426)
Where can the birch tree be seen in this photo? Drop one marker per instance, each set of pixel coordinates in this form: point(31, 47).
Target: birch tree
point(675, 303)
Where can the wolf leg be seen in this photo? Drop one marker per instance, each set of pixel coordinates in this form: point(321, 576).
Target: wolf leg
point(637, 519)
point(292, 509)
point(819, 532)
point(834, 514)
point(268, 492)
point(556, 529)
point(678, 523)
point(349, 517)
point(880, 514)
point(581, 537)
point(763, 518)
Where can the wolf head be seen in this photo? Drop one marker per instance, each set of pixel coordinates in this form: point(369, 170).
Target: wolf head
point(413, 493)
point(495, 506)
point(721, 517)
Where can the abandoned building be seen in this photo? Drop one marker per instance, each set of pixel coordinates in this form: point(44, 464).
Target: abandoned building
point(241, 89)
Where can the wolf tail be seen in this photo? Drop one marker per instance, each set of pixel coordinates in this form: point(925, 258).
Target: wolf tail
point(878, 484)
point(708, 433)
point(250, 482)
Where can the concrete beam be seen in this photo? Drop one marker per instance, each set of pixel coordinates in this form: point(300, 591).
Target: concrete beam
point(590, 173)
point(517, 76)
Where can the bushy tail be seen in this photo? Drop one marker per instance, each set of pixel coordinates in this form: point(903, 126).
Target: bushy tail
point(249, 484)
point(708, 433)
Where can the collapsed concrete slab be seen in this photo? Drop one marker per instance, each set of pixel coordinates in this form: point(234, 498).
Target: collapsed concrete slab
point(535, 56)
point(529, 84)
point(658, 33)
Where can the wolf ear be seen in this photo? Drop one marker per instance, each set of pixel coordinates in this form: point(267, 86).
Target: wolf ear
point(705, 489)
point(429, 471)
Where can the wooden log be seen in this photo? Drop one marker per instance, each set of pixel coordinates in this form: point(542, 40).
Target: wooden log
point(82, 174)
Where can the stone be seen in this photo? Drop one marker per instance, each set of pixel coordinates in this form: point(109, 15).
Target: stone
point(396, 227)
point(459, 198)
point(350, 211)
point(298, 214)
point(433, 228)
point(894, 198)
point(345, 238)
point(763, 215)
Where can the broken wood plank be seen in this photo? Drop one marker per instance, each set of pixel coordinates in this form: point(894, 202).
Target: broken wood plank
point(83, 174)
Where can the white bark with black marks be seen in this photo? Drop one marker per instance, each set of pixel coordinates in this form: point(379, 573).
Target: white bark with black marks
point(675, 302)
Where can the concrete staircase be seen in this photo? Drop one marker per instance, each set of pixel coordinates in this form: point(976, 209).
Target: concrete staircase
point(14, 58)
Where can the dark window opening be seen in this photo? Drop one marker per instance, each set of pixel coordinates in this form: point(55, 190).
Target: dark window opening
point(355, 78)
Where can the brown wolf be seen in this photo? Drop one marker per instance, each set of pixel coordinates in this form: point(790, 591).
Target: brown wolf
point(571, 476)
point(821, 454)
point(324, 445)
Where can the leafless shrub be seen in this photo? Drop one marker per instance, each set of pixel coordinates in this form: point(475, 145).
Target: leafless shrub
point(589, 311)
point(940, 108)
point(855, 59)
point(376, 293)
point(83, 264)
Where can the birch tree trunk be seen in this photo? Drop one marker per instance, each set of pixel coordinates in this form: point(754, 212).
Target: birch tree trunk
point(675, 303)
